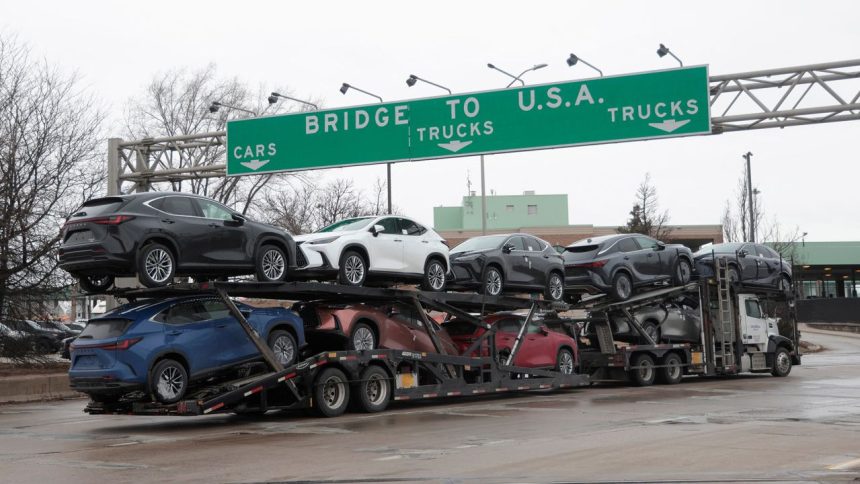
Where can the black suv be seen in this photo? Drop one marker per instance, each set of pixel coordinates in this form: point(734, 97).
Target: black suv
point(617, 264)
point(159, 235)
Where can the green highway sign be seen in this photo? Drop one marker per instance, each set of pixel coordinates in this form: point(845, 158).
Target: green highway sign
point(647, 105)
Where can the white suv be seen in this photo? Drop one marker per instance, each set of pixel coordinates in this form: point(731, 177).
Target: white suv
point(382, 247)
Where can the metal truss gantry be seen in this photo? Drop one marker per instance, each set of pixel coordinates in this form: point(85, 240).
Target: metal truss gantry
point(772, 98)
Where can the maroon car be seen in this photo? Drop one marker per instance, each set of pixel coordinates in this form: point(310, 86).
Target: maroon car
point(392, 326)
point(546, 343)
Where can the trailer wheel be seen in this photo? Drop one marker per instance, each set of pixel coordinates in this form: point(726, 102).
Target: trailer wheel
point(331, 393)
point(643, 375)
point(373, 392)
point(781, 362)
point(672, 370)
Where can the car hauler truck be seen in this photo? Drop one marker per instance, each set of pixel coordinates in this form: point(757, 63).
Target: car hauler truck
point(735, 336)
point(329, 381)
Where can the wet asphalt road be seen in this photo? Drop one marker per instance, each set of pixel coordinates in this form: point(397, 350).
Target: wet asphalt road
point(802, 428)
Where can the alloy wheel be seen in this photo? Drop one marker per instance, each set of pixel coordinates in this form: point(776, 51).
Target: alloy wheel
point(565, 363)
point(363, 339)
point(354, 268)
point(436, 276)
point(273, 265)
point(556, 288)
point(284, 350)
point(170, 382)
point(494, 283)
point(624, 287)
point(158, 265)
point(684, 272)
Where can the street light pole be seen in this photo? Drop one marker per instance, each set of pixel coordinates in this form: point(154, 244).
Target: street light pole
point(483, 201)
point(747, 157)
point(346, 87)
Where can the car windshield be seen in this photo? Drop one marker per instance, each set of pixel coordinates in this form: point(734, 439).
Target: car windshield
point(33, 324)
point(729, 248)
point(348, 224)
point(480, 243)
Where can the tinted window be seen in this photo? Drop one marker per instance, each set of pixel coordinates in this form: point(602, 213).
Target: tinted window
point(347, 225)
point(480, 243)
point(646, 242)
point(407, 316)
point(178, 206)
point(389, 226)
point(105, 328)
point(408, 227)
point(534, 327)
point(459, 328)
point(190, 312)
point(216, 309)
point(214, 210)
point(509, 325)
point(532, 244)
point(766, 252)
point(753, 309)
point(517, 242)
point(99, 206)
point(627, 245)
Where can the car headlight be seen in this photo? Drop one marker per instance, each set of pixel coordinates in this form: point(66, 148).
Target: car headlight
point(326, 240)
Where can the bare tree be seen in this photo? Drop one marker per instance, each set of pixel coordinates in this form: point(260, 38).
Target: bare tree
point(177, 103)
point(306, 207)
point(50, 146)
point(736, 223)
point(645, 216)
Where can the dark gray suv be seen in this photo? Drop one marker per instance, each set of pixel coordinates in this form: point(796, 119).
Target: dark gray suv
point(618, 264)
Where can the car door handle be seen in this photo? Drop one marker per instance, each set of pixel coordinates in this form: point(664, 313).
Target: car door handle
point(174, 332)
point(398, 240)
point(650, 255)
point(222, 325)
point(167, 221)
point(213, 224)
point(425, 241)
point(626, 258)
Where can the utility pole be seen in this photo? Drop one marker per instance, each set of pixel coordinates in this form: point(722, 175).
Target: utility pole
point(388, 186)
point(483, 201)
point(747, 157)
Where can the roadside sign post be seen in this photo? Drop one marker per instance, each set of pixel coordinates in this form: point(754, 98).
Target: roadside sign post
point(657, 104)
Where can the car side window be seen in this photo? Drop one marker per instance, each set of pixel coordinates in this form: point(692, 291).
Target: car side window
point(216, 309)
point(646, 242)
point(408, 227)
point(184, 313)
point(753, 309)
point(517, 242)
point(407, 316)
point(214, 210)
point(532, 244)
point(389, 225)
point(509, 325)
point(627, 245)
point(179, 206)
point(766, 252)
point(534, 327)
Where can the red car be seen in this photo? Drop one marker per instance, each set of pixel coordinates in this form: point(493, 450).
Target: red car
point(544, 345)
point(364, 327)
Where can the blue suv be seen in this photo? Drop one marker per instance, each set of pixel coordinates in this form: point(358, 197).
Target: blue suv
point(161, 348)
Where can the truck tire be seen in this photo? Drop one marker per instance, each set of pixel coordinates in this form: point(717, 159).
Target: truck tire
point(672, 370)
point(643, 374)
point(331, 393)
point(373, 392)
point(781, 362)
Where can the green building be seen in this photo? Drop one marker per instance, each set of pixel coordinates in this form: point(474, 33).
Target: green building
point(504, 212)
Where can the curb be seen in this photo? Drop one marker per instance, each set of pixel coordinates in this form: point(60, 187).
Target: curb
point(32, 388)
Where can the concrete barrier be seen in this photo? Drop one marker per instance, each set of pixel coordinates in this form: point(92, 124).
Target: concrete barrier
point(30, 388)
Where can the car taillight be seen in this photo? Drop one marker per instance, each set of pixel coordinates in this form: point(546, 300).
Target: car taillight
point(119, 345)
point(112, 220)
point(593, 265)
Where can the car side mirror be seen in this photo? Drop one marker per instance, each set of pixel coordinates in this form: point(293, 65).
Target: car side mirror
point(742, 253)
point(238, 219)
point(544, 330)
point(377, 229)
point(659, 246)
point(507, 248)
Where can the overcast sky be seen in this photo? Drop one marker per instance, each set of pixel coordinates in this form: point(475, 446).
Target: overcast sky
point(806, 174)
